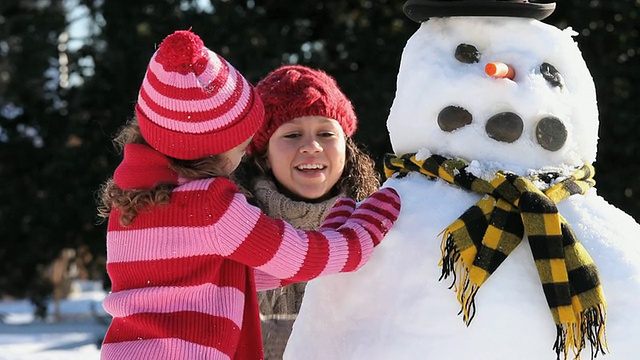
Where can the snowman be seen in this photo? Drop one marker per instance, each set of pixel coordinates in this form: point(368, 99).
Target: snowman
point(503, 248)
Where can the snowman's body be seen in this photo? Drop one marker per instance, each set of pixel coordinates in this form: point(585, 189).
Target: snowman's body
point(396, 307)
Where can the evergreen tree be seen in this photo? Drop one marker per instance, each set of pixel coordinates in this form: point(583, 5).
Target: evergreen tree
point(65, 93)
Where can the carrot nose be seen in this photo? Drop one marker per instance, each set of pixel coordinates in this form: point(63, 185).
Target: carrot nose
point(500, 70)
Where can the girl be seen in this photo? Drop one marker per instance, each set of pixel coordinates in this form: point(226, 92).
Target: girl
point(182, 242)
point(301, 161)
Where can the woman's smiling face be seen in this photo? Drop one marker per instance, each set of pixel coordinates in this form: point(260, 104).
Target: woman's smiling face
point(307, 155)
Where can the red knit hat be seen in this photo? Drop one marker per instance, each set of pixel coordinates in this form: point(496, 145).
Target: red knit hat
point(293, 91)
point(193, 103)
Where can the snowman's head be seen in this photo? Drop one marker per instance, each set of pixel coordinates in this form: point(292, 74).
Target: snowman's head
point(446, 102)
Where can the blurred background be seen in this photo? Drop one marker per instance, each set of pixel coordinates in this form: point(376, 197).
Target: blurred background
point(70, 72)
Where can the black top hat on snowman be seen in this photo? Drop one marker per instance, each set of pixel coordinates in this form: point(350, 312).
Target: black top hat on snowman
point(421, 10)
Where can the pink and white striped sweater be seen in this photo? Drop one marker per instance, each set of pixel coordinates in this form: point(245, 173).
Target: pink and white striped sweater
point(183, 284)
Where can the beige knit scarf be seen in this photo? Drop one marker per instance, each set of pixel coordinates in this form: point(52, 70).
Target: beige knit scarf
point(302, 215)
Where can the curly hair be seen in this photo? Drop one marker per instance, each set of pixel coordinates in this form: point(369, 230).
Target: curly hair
point(358, 180)
point(131, 202)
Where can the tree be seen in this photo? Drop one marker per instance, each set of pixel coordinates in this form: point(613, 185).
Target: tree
point(30, 109)
point(63, 95)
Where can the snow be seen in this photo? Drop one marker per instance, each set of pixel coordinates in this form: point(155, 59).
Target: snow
point(395, 307)
point(74, 337)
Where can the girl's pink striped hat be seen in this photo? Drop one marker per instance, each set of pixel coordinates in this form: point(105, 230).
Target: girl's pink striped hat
point(193, 103)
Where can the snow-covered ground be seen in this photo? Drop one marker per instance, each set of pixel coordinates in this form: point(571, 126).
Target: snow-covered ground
point(75, 337)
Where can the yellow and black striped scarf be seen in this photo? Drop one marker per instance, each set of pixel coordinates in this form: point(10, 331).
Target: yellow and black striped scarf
point(483, 236)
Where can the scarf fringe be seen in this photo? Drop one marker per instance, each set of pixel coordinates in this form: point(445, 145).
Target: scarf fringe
point(572, 336)
point(450, 256)
point(593, 322)
point(453, 265)
point(590, 327)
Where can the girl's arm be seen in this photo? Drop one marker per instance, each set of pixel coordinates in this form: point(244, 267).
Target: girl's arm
point(337, 216)
point(265, 281)
point(343, 243)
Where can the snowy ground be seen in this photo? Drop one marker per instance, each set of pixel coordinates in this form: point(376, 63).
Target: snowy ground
point(74, 337)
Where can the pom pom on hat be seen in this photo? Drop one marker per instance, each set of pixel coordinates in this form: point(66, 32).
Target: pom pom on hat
point(294, 91)
point(193, 103)
point(182, 52)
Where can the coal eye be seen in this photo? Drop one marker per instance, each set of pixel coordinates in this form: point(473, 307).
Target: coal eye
point(453, 117)
point(506, 127)
point(467, 54)
point(552, 75)
point(551, 133)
